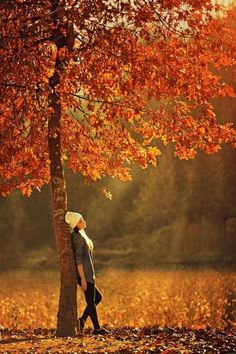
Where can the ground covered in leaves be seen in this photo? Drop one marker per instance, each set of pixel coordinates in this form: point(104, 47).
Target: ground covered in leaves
point(168, 298)
point(147, 311)
point(124, 340)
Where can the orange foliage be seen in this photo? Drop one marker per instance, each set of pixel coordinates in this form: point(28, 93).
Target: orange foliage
point(115, 57)
point(192, 299)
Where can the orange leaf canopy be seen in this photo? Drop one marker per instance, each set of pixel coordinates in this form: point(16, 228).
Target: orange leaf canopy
point(136, 71)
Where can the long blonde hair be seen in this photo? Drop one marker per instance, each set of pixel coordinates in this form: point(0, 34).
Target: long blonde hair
point(88, 240)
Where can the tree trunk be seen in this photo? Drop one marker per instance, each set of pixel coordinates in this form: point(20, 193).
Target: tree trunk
point(67, 311)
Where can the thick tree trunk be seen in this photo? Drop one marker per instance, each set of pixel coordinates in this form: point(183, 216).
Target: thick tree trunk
point(67, 311)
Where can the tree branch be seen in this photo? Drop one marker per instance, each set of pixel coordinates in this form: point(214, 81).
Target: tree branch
point(115, 103)
point(12, 85)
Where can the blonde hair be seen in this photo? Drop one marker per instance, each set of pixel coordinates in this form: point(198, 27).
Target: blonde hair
point(88, 240)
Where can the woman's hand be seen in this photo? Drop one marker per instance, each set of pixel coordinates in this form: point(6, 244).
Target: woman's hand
point(82, 276)
point(83, 284)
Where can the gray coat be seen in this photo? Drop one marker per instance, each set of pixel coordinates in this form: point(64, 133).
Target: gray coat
point(83, 256)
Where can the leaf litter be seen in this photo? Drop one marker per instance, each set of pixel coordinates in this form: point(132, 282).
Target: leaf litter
point(123, 340)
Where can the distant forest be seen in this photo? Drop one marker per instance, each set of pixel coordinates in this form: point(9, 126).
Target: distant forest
point(181, 212)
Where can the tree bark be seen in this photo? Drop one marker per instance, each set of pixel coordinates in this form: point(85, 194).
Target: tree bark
point(67, 309)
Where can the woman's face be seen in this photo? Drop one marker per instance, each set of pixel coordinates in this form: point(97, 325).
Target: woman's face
point(81, 224)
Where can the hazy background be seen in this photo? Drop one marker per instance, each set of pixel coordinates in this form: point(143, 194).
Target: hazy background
point(182, 212)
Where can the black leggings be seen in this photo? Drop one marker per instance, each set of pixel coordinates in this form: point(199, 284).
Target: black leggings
point(92, 297)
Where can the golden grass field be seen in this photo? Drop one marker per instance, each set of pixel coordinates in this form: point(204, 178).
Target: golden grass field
point(192, 299)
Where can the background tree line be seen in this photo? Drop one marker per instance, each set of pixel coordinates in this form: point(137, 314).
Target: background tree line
point(180, 212)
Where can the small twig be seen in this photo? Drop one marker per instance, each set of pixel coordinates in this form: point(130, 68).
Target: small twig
point(12, 85)
point(107, 102)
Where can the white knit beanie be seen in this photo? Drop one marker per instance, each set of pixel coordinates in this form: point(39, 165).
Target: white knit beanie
point(72, 218)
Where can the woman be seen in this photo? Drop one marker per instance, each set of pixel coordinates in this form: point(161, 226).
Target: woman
point(83, 252)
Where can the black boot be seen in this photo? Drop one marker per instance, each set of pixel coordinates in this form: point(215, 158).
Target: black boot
point(80, 324)
point(101, 331)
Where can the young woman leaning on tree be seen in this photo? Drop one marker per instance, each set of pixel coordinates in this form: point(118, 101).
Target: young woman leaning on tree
point(83, 252)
